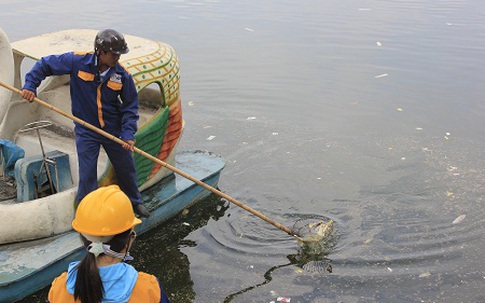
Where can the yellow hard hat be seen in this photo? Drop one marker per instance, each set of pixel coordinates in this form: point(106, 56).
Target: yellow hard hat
point(106, 211)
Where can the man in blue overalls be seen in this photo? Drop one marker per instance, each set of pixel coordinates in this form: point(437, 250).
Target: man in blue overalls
point(103, 94)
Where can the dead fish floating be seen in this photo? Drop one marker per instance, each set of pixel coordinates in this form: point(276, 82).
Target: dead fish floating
point(315, 232)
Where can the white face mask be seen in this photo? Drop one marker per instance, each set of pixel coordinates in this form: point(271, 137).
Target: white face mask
point(98, 248)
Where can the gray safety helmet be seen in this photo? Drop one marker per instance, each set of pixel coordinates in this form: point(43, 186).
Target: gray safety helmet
point(110, 40)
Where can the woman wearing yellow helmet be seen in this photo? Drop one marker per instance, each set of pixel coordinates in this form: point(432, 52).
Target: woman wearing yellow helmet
point(106, 221)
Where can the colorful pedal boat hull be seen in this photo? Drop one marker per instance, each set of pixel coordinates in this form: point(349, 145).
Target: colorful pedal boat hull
point(154, 66)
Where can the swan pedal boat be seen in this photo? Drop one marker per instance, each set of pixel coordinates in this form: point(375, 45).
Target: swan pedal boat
point(39, 161)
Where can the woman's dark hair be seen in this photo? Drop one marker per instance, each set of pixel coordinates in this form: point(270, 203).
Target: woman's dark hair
point(89, 287)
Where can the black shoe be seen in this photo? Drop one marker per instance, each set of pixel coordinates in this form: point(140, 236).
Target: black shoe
point(141, 210)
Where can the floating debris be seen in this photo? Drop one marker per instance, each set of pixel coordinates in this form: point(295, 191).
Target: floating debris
point(419, 128)
point(275, 134)
point(381, 75)
point(459, 219)
point(389, 269)
point(210, 137)
point(449, 193)
point(191, 103)
point(425, 274)
point(249, 29)
point(186, 224)
point(364, 9)
point(399, 109)
point(251, 118)
point(378, 43)
point(283, 299)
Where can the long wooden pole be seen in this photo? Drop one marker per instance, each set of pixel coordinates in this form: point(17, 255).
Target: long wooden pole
point(156, 160)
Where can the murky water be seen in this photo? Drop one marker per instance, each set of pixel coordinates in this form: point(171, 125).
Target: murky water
point(369, 113)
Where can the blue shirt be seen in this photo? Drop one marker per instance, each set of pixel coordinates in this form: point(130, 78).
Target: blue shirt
point(118, 282)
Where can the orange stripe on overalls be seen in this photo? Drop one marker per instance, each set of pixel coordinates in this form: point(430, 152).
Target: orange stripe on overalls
point(100, 106)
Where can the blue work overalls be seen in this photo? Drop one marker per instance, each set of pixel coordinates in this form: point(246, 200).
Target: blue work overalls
point(110, 103)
